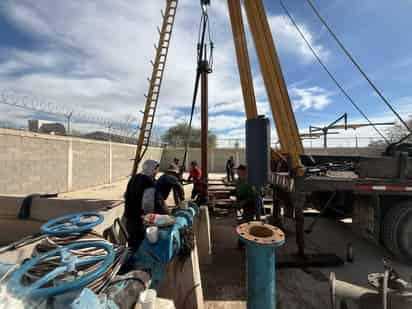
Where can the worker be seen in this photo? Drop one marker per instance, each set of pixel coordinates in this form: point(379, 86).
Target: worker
point(181, 169)
point(170, 181)
point(246, 195)
point(195, 175)
point(230, 165)
point(140, 198)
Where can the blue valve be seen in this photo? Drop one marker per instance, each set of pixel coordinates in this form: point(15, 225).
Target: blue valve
point(74, 223)
point(69, 263)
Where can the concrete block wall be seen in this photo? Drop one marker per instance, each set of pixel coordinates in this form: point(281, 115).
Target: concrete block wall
point(31, 164)
point(90, 164)
point(40, 163)
point(37, 163)
point(122, 160)
point(218, 156)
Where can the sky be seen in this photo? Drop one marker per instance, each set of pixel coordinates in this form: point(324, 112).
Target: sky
point(93, 57)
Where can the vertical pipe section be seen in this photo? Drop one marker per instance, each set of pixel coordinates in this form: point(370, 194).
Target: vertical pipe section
point(275, 85)
point(204, 128)
point(260, 240)
point(242, 56)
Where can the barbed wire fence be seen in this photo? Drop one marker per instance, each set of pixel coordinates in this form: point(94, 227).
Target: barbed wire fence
point(81, 124)
point(75, 121)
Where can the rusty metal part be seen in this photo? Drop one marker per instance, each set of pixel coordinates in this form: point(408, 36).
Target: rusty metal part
point(260, 233)
point(204, 67)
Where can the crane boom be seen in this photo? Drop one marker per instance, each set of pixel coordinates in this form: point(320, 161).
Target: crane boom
point(272, 75)
point(245, 73)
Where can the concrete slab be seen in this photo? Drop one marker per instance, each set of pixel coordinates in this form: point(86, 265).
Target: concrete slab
point(224, 280)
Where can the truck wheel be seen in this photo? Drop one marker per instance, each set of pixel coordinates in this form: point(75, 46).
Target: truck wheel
point(397, 230)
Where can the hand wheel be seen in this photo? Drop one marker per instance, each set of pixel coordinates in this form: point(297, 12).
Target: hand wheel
point(74, 223)
point(69, 263)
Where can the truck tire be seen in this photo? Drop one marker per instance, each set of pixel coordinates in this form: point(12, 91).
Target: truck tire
point(397, 229)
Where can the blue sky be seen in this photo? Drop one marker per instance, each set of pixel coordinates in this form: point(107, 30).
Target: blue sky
point(93, 56)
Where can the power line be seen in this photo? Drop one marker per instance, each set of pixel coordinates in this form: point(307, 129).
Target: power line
point(356, 64)
point(330, 73)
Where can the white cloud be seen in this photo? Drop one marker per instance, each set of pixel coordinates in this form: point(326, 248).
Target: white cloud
point(310, 98)
point(225, 122)
point(287, 38)
point(30, 18)
point(94, 58)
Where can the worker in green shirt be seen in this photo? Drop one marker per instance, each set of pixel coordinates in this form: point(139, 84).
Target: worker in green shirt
point(246, 195)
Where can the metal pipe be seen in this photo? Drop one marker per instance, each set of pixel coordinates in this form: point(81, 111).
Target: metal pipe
point(204, 128)
point(154, 257)
point(260, 240)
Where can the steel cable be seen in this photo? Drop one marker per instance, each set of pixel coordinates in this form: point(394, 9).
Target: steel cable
point(53, 242)
point(204, 28)
point(345, 93)
point(356, 64)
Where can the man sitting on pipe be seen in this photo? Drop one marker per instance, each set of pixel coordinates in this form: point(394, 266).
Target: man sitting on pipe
point(245, 195)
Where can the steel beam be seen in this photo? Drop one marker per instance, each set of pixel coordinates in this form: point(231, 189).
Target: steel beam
point(239, 39)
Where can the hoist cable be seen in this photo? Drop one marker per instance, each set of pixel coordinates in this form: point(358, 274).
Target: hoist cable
point(346, 94)
point(204, 27)
point(356, 64)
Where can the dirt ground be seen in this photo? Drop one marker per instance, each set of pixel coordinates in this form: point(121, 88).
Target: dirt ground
point(224, 280)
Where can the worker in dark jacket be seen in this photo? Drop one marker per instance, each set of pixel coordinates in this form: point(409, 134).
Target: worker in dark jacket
point(170, 181)
point(245, 195)
point(141, 198)
point(230, 166)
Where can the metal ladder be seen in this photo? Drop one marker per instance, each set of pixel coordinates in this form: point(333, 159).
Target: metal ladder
point(155, 82)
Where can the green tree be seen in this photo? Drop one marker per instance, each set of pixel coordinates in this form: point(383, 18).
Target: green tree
point(176, 136)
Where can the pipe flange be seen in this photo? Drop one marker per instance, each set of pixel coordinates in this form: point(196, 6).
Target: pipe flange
point(261, 233)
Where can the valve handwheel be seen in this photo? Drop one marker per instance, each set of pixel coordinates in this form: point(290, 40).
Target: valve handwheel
point(75, 223)
point(44, 287)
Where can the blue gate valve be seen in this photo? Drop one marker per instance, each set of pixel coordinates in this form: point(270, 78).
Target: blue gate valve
point(69, 263)
point(155, 257)
point(74, 223)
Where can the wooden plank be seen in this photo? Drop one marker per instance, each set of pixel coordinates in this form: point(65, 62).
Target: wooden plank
point(203, 236)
